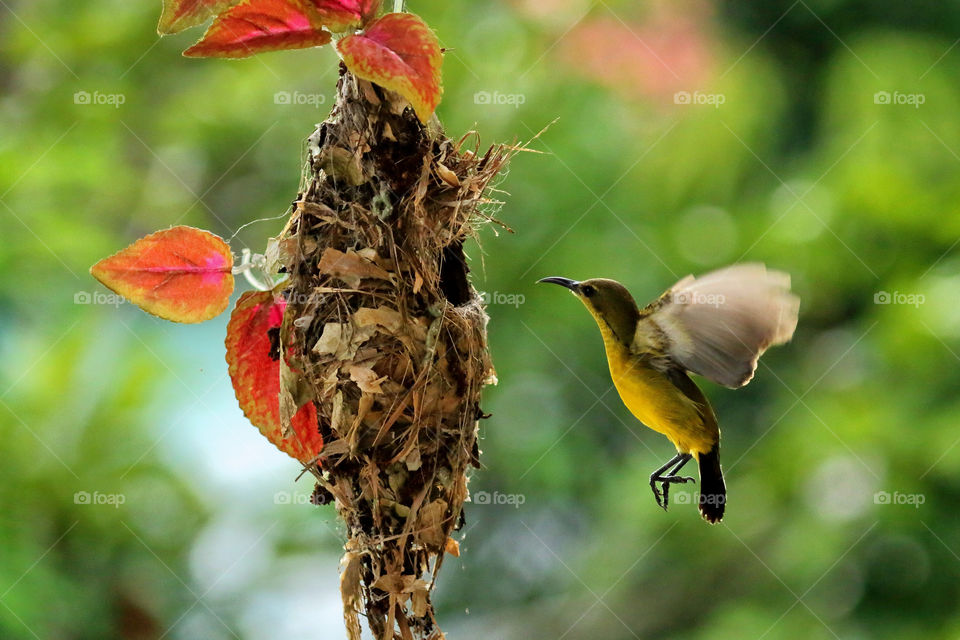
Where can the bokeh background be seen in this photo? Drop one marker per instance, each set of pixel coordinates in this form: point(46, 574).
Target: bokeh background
point(819, 136)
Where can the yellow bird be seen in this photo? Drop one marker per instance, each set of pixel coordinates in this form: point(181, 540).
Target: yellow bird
point(716, 326)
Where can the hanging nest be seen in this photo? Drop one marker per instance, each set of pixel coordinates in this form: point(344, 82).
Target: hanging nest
point(385, 334)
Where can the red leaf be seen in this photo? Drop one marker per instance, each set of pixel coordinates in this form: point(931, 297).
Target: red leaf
point(253, 356)
point(341, 15)
point(180, 274)
point(398, 52)
point(254, 26)
point(182, 14)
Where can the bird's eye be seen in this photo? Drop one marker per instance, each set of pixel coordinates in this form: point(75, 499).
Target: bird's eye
point(588, 290)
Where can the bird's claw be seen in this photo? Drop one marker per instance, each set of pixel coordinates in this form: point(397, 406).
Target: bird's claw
point(663, 499)
point(656, 493)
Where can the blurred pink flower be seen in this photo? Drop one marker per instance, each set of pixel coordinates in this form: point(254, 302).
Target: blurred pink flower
point(550, 10)
point(652, 58)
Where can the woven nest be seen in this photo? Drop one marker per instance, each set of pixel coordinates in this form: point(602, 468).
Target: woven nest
point(385, 334)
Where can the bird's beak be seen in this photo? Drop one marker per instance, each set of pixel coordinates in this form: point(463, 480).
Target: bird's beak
point(573, 285)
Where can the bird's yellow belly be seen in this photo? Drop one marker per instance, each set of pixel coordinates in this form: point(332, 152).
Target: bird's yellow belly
point(657, 403)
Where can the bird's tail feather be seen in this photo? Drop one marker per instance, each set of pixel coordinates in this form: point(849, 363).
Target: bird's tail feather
point(713, 492)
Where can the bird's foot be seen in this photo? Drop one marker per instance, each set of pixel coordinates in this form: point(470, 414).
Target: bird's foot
point(663, 499)
point(666, 475)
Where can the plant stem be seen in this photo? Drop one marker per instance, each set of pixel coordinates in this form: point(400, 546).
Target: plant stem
point(399, 6)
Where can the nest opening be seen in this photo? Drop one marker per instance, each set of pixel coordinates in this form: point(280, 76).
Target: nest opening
point(454, 282)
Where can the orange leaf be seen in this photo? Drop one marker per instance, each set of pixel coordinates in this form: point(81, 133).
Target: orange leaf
point(254, 26)
point(398, 52)
point(182, 14)
point(341, 15)
point(253, 357)
point(180, 274)
point(453, 547)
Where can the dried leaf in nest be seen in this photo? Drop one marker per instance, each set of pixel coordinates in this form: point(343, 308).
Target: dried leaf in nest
point(349, 267)
point(342, 165)
point(447, 175)
point(430, 530)
point(343, 340)
point(453, 547)
point(367, 379)
point(350, 593)
point(294, 394)
point(395, 584)
point(380, 317)
point(413, 460)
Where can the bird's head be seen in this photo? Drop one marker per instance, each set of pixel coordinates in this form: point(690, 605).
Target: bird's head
point(609, 302)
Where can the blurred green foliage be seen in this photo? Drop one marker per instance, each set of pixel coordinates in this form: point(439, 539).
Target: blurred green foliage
point(805, 165)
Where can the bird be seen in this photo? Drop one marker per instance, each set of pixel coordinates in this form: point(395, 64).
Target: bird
point(716, 326)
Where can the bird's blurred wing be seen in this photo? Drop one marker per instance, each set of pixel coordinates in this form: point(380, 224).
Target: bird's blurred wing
point(717, 325)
